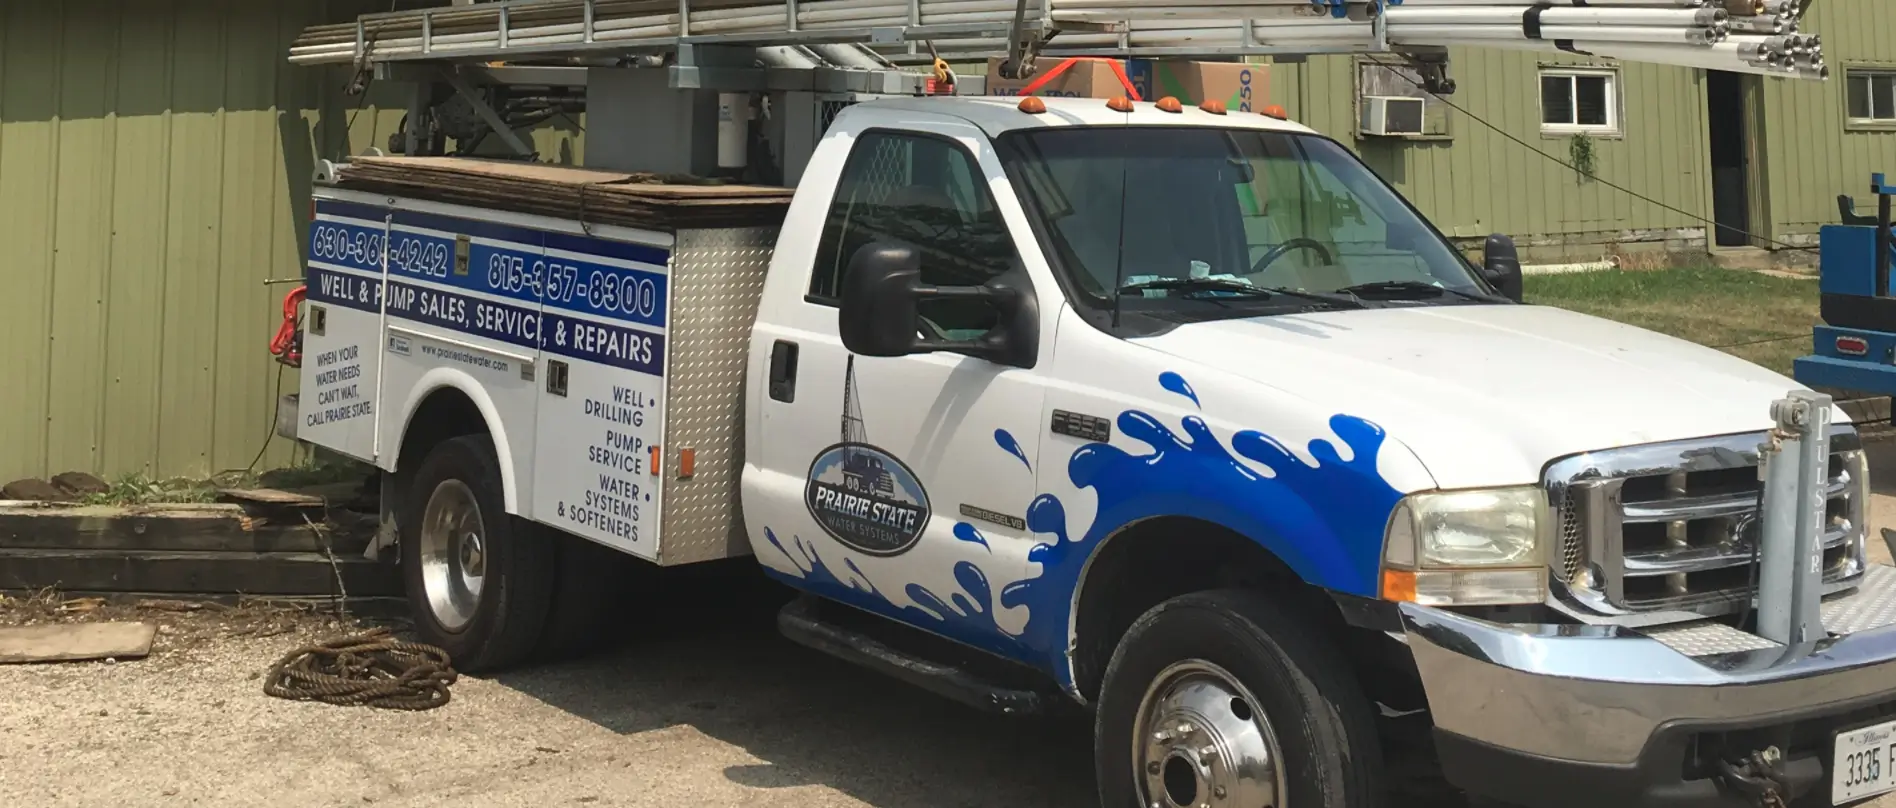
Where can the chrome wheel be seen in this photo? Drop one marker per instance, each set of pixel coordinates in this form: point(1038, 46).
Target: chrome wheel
point(1201, 740)
point(453, 554)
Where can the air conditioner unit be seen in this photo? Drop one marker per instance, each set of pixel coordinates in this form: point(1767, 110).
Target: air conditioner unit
point(1386, 115)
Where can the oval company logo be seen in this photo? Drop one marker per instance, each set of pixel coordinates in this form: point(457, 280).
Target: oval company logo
point(866, 499)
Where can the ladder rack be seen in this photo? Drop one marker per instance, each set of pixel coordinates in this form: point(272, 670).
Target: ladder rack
point(1752, 36)
point(530, 29)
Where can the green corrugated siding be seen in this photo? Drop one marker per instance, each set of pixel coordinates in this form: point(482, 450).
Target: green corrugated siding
point(1811, 156)
point(154, 165)
point(1479, 181)
point(155, 158)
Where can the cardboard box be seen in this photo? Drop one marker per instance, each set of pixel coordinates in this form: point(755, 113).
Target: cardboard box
point(1088, 78)
point(1242, 87)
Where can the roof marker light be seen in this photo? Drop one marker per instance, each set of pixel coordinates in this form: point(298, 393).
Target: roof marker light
point(1170, 104)
point(1032, 105)
point(1213, 106)
point(1120, 104)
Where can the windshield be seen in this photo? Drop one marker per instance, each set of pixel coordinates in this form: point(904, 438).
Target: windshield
point(1136, 214)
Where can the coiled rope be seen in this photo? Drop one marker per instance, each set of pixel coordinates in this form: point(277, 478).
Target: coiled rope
point(371, 669)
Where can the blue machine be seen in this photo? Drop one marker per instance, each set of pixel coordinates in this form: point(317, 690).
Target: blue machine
point(1855, 348)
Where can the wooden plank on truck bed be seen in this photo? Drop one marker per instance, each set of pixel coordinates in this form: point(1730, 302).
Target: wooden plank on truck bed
point(645, 200)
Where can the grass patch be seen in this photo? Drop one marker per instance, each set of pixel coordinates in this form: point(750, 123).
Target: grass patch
point(137, 489)
point(1761, 318)
point(320, 472)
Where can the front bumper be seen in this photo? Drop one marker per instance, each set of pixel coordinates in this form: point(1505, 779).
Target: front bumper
point(1569, 714)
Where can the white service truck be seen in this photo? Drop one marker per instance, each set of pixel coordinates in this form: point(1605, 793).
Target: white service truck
point(1178, 413)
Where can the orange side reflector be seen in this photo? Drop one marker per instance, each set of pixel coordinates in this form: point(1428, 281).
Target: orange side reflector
point(687, 458)
point(1398, 586)
point(655, 459)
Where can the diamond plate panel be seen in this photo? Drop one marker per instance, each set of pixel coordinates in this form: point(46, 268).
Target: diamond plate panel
point(1706, 638)
point(1871, 606)
point(717, 280)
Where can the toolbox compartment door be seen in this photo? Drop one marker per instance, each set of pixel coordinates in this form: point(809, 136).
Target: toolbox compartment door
point(342, 328)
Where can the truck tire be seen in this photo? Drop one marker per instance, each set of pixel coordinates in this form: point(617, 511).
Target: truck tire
point(478, 579)
point(585, 597)
point(1207, 681)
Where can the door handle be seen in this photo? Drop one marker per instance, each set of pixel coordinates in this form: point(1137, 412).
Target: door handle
point(783, 371)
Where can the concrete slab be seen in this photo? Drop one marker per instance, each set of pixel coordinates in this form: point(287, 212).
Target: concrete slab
point(73, 642)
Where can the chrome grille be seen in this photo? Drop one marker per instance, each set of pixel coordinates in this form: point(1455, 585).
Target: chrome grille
point(1672, 527)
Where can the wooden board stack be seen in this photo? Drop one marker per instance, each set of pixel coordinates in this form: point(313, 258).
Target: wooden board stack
point(650, 201)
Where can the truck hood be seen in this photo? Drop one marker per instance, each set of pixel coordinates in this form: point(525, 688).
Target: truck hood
point(1487, 395)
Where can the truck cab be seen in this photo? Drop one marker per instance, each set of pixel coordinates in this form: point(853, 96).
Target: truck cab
point(1171, 413)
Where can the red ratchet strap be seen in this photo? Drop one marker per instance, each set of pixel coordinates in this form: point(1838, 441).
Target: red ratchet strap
point(1118, 70)
point(284, 343)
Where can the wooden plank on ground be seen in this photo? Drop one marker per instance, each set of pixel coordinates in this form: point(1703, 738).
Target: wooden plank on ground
point(183, 528)
point(308, 574)
point(74, 642)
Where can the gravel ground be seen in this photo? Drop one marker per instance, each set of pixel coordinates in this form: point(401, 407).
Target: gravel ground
point(704, 706)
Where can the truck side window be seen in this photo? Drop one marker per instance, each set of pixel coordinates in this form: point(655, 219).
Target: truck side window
point(927, 192)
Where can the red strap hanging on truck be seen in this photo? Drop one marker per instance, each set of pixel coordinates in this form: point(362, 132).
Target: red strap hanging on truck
point(286, 346)
point(1118, 70)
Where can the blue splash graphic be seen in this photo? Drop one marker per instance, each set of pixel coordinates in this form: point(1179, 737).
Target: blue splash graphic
point(1325, 521)
point(1177, 384)
point(969, 533)
point(816, 573)
point(965, 616)
point(1006, 441)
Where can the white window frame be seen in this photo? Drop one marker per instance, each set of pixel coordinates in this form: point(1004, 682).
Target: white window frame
point(1612, 77)
point(1852, 74)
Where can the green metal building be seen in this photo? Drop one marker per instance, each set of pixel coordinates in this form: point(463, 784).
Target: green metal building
point(1764, 157)
point(155, 158)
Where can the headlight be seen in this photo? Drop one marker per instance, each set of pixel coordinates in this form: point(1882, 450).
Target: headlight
point(1461, 548)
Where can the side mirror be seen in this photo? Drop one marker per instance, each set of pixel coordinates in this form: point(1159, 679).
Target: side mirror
point(1501, 266)
point(882, 297)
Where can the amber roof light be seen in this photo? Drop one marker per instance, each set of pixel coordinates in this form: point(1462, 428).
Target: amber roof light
point(1276, 111)
point(1170, 104)
point(1213, 106)
point(1120, 104)
point(1032, 105)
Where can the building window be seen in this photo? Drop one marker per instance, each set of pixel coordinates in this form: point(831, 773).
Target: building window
point(1872, 95)
point(1579, 101)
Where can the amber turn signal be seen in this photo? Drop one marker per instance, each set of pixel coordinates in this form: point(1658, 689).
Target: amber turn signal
point(1398, 586)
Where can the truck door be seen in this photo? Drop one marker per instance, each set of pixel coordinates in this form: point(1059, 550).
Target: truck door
point(898, 485)
point(342, 329)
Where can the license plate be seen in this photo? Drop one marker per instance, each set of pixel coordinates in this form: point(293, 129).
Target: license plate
point(1864, 764)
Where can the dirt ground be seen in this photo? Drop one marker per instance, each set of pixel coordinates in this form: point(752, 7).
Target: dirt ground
point(702, 705)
